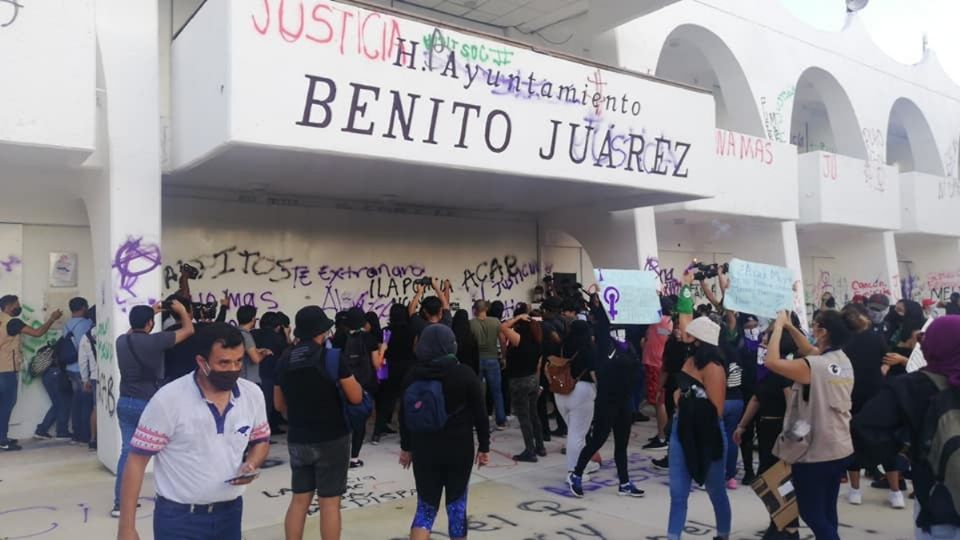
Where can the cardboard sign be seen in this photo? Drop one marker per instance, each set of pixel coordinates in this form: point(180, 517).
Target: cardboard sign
point(775, 489)
point(759, 289)
point(629, 296)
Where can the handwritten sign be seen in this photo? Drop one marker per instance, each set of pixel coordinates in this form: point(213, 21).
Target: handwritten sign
point(760, 289)
point(630, 296)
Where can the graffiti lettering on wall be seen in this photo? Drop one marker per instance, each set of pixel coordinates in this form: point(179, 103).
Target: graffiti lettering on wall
point(874, 174)
point(830, 169)
point(11, 262)
point(744, 147)
point(497, 276)
point(866, 288)
point(499, 56)
point(133, 260)
point(107, 393)
point(940, 285)
point(372, 36)
point(9, 11)
point(773, 119)
point(671, 285)
point(950, 183)
point(911, 287)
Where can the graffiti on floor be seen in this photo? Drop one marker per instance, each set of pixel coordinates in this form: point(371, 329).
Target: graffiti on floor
point(697, 529)
point(361, 491)
point(48, 518)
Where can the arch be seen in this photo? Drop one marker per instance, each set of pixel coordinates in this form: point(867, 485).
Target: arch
point(910, 142)
point(696, 56)
point(823, 117)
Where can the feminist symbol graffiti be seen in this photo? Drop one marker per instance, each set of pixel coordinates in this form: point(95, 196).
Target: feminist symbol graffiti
point(612, 296)
point(15, 6)
point(135, 258)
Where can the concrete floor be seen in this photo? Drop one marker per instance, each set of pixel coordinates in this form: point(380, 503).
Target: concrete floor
point(55, 491)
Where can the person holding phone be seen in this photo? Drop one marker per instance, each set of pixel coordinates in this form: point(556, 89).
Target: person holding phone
point(209, 433)
point(440, 445)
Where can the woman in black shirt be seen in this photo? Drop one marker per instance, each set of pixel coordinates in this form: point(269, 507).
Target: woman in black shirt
point(467, 350)
point(524, 337)
point(399, 358)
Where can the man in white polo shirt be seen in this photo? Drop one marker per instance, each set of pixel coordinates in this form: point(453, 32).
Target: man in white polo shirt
point(199, 427)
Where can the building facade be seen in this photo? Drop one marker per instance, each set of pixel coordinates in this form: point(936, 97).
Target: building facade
point(311, 151)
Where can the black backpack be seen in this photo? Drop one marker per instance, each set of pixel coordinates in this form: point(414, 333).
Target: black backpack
point(65, 351)
point(941, 447)
point(357, 357)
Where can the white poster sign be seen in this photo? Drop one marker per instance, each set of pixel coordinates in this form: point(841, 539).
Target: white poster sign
point(63, 269)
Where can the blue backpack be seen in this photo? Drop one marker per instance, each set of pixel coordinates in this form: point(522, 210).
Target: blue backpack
point(355, 416)
point(65, 351)
point(425, 407)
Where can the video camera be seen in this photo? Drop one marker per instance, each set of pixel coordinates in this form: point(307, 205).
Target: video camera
point(190, 271)
point(707, 271)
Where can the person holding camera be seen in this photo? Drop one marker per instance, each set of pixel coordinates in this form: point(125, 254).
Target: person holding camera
point(433, 309)
point(254, 356)
point(140, 358)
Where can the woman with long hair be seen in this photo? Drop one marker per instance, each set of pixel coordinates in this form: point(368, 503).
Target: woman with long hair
point(399, 337)
point(525, 336)
point(816, 429)
point(576, 407)
point(467, 351)
point(697, 442)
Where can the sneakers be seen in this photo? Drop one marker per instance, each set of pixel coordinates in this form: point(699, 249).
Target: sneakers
point(41, 436)
point(375, 439)
point(629, 490)
point(748, 479)
point(732, 484)
point(10, 445)
point(656, 444)
point(592, 467)
point(576, 485)
point(64, 437)
point(541, 451)
point(501, 427)
point(356, 463)
point(854, 497)
point(525, 457)
point(895, 498)
point(663, 464)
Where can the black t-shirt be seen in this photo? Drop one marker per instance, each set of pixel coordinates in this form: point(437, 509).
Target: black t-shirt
point(866, 351)
point(14, 327)
point(314, 406)
point(276, 343)
point(522, 359)
point(182, 358)
point(399, 353)
point(418, 323)
point(769, 392)
point(582, 362)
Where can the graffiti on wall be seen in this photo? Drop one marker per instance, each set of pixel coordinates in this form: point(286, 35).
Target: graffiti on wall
point(744, 147)
point(773, 114)
point(950, 183)
point(9, 11)
point(133, 261)
point(874, 173)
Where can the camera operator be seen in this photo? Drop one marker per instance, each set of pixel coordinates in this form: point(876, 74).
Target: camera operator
point(433, 309)
point(181, 359)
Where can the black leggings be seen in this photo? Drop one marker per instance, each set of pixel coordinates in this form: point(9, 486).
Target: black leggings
point(386, 400)
point(616, 417)
point(746, 448)
point(768, 429)
point(443, 468)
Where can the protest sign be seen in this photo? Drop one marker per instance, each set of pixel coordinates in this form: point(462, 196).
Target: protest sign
point(629, 296)
point(759, 289)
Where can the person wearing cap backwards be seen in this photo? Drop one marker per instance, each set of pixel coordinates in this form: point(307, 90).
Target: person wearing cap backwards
point(442, 459)
point(816, 439)
point(697, 443)
point(899, 415)
point(318, 435)
point(210, 435)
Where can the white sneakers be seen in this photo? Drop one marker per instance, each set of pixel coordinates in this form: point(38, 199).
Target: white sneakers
point(854, 497)
point(895, 498)
point(591, 467)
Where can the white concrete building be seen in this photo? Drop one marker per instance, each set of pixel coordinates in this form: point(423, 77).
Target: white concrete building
point(312, 151)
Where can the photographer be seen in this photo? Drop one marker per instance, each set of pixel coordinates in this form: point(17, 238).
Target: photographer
point(433, 309)
point(140, 358)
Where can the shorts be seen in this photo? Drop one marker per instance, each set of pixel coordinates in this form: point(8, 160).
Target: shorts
point(654, 393)
point(320, 467)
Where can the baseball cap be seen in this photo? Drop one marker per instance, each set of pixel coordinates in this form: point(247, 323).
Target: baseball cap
point(311, 321)
point(705, 330)
point(927, 302)
point(878, 302)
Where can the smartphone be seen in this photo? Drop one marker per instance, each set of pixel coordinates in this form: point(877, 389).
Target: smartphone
point(244, 476)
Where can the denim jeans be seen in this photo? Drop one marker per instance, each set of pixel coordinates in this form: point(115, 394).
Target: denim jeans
point(128, 413)
point(8, 398)
point(817, 486)
point(732, 413)
point(59, 411)
point(174, 522)
point(79, 413)
point(490, 368)
point(680, 482)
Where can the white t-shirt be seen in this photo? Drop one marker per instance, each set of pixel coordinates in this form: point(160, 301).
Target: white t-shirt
point(196, 449)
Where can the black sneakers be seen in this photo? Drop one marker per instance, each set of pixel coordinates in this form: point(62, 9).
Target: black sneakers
point(663, 463)
point(525, 457)
point(10, 445)
point(656, 444)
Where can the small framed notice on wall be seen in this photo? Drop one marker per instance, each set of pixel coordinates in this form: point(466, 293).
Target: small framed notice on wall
point(63, 269)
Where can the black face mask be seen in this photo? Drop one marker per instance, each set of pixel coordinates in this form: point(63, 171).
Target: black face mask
point(17, 312)
point(222, 380)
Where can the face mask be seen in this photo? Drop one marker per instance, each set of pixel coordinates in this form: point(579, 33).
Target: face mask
point(17, 312)
point(752, 334)
point(876, 316)
point(222, 380)
point(761, 355)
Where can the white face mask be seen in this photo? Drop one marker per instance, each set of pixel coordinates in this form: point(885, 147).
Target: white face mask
point(761, 355)
point(753, 334)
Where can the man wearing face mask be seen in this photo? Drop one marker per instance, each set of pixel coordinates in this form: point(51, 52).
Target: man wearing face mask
point(199, 427)
point(11, 358)
point(878, 306)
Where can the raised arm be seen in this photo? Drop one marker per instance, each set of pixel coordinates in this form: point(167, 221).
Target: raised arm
point(186, 322)
point(794, 370)
point(506, 328)
point(43, 329)
point(414, 304)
